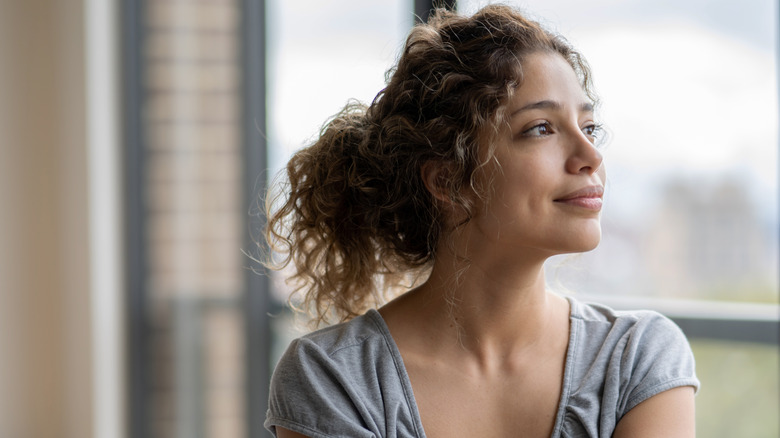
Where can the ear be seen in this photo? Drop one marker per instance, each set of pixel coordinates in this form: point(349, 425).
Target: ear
point(435, 175)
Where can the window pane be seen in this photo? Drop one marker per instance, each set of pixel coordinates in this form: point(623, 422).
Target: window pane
point(690, 99)
point(689, 96)
point(739, 392)
point(320, 55)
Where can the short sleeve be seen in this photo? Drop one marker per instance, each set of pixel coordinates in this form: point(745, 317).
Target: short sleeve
point(310, 395)
point(656, 358)
point(618, 359)
point(345, 380)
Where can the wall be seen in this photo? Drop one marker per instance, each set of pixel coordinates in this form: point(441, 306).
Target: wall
point(45, 346)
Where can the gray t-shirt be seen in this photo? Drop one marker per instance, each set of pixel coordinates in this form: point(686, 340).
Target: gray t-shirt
point(349, 380)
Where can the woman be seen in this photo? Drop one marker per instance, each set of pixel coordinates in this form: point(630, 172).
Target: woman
point(474, 165)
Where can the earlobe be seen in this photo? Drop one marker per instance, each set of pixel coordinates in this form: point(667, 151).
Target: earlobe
point(435, 175)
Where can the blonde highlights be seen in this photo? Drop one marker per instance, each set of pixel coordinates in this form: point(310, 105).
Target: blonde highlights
point(354, 216)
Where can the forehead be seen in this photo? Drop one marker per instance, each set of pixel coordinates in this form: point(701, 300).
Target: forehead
point(548, 77)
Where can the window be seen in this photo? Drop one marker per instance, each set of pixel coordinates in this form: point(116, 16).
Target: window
point(689, 95)
point(320, 55)
point(193, 74)
point(690, 225)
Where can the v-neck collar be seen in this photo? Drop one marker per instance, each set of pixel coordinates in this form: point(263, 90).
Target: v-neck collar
point(406, 383)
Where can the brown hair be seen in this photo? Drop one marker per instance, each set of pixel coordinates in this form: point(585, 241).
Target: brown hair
point(354, 215)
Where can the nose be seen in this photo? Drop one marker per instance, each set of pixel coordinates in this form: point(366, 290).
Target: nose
point(583, 157)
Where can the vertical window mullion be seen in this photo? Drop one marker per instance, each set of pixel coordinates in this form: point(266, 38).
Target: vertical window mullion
point(256, 299)
point(139, 365)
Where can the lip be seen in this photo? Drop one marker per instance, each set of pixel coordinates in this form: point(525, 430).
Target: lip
point(589, 198)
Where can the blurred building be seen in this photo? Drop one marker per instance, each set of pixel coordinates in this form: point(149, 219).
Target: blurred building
point(707, 240)
point(193, 216)
point(699, 240)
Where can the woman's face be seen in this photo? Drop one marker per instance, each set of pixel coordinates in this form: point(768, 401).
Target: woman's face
point(548, 185)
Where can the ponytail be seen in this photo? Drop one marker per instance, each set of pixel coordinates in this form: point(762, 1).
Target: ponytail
point(339, 220)
point(354, 216)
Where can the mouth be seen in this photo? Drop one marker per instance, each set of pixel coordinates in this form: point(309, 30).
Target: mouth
point(589, 198)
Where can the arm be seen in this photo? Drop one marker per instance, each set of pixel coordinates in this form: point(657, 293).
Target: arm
point(284, 433)
point(669, 414)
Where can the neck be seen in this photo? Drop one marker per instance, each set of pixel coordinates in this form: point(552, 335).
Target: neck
point(492, 311)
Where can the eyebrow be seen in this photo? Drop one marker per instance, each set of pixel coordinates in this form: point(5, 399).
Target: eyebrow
point(550, 104)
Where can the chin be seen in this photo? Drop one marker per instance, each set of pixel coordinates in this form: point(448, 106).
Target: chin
point(592, 243)
point(583, 242)
point(591, 247)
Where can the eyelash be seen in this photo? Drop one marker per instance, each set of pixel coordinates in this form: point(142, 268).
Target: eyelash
point(546, 125)
point(595, 130)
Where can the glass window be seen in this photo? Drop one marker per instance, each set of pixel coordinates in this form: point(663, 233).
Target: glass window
point(739, 394)
point(320, 55)
point(689, 97)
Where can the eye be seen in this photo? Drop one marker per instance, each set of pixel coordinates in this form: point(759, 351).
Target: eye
point(540, 130)
point(592, 130)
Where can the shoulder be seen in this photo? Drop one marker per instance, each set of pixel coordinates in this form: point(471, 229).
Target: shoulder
point(618, 359)
point(350, 349)
point(334, 356)
point(601, 324)
point(331, 344)
point(634, 337)
point(338, 381)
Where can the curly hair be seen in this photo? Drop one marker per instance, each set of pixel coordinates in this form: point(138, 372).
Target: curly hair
point(354, 215)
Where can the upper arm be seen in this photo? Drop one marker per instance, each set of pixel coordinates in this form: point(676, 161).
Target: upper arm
point(286, 433)
point(670, 414)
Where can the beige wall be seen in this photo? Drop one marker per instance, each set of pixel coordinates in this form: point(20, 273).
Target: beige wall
point(45, 360)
